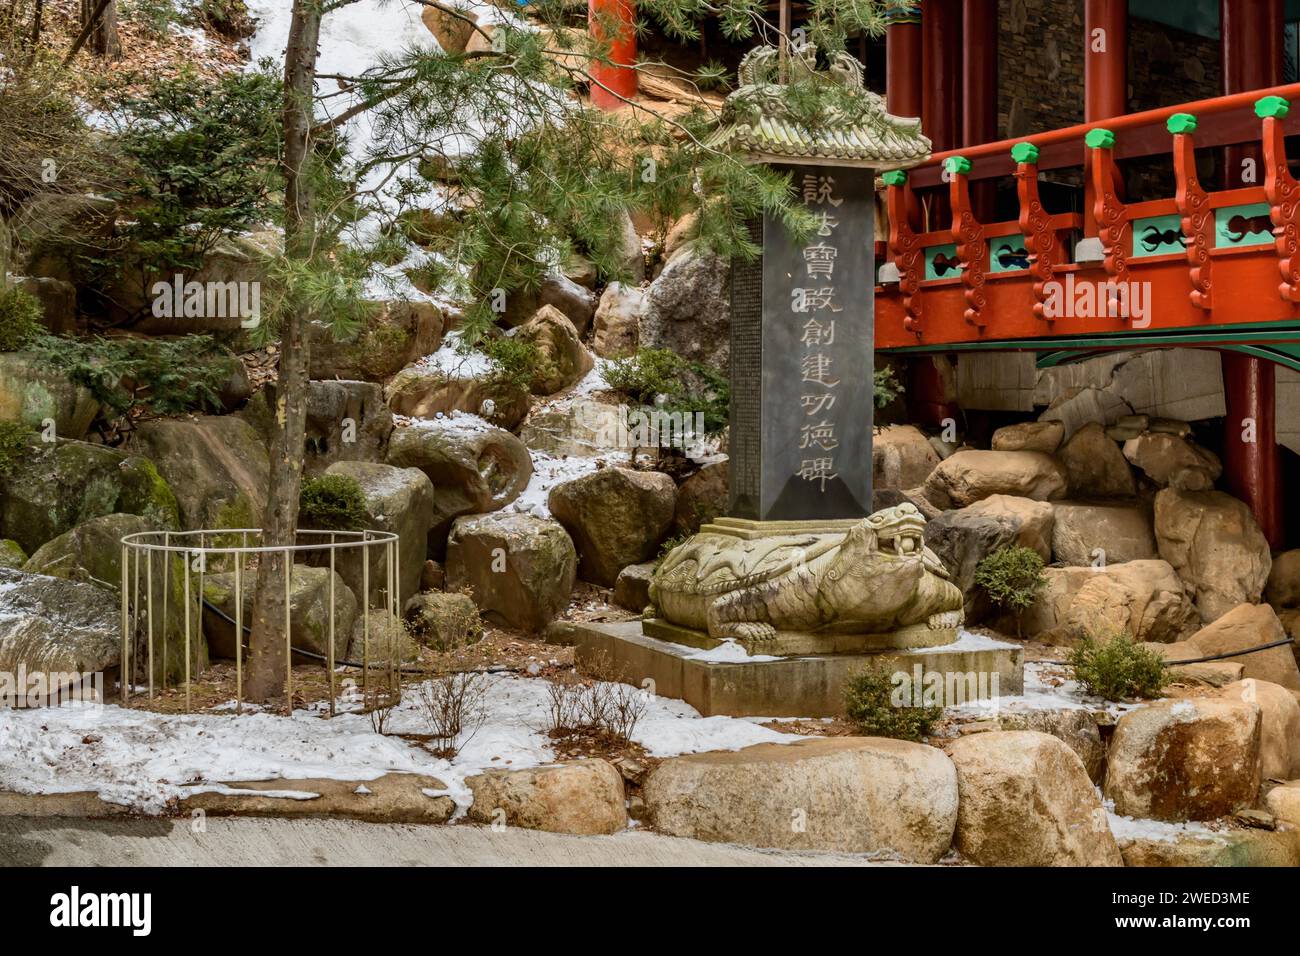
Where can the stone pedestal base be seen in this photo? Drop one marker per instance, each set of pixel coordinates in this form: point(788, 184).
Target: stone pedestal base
point(786, 643)
point(812, 686)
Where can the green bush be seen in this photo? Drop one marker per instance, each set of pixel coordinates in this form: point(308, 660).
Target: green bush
point(14, 442)
point(663, 380)
point(332, 503)
point(887, 387)
point(869, 702)
point(1117, 668)
point(1012, 578)
point(517, 360)
point(20, 319)
point(159, 376)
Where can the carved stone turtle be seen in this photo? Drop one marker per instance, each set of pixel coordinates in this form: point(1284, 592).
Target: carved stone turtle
point(878, 577)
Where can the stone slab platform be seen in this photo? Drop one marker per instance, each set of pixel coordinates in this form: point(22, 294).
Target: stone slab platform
point(805, 686)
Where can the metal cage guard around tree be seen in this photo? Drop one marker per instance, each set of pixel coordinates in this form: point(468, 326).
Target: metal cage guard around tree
point(145, 617)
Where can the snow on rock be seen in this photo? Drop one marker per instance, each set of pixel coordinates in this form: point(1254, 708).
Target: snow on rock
point(456, 362)
point(548, 472)
point(142, 759)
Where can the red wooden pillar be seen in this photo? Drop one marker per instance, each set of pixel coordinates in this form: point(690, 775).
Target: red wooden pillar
point(1251, 39)
point(941, 91)
point(1105, 77)
point(941, 72)
point(615, 81)
point(979, 74)
point(903, 60)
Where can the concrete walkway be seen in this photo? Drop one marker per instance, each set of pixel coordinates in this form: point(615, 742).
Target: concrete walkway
point(235, 841)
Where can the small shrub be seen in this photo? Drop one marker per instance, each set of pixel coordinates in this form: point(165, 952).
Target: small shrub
point(662, 380)
point(887, 387)
point(597, 701)
point(1117, 667)
point(332, 503)
point(453, 705)
point(14, 442)
point(517, 360)
point(869, 703)
point(20, 319)
point(1012, 578)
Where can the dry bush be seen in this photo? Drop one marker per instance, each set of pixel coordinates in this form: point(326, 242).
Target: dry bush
point(453, 704)
point(599, 700)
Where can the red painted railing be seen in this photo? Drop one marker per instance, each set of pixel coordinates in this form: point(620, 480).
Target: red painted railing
point(1192, 260)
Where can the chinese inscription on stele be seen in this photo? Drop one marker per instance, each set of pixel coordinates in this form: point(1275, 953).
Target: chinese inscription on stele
point(818, 366)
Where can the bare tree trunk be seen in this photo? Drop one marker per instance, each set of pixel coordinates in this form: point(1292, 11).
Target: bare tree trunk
point(103, 40)
point(268, 657)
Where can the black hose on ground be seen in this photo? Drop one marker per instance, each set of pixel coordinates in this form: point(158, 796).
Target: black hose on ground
point(402, 669)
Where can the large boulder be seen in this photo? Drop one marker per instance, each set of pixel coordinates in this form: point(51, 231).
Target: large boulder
point(845, 794)
point(701, 498)
point(398, 500)
point(1214, 544)
point(1102, 532)
point(1283, 587)
point(54, 626)
point(1250, 625)
point(632, 589)
point(60, 485)
point(966, 536)
point(1284, 803)
point(58, 301)
point(1173, 461)
point(34, 394)
point(393, 335)
point(217, 465)
point(1078, 406)
point(428, 391)
point(475, 469)
point(1193, 759)
point(451, 31)
point(1144, 599)
point(1213, 848)
point(1026, 800)
point(1279, 735)
point(901, 457)
point(520, 569)
point(562, 359)
point(581, 428)
point(1095, 465)
point(1074, 727)
point(688, 309)
point(616, 516)
point(970, 475)
point(12, 554)
point(568, 298)
point(581, 796)
point(346, 421)
point(618, 321)
point(309, 612)
point(1029, 436)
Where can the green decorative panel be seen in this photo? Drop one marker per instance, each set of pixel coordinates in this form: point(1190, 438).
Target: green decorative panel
point(1157, 236)
point(1247, 225)
point(1008, 254)
point(941, 262)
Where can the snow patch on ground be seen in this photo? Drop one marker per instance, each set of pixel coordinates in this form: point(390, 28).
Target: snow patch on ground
point(454, 361)
point(142, 759)
point(1042, 693)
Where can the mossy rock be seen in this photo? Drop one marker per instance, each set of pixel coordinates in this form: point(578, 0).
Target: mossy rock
point(64, 484)
point(12, 554)
point(33, 394)
point(91, 553)
point(218, 465)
